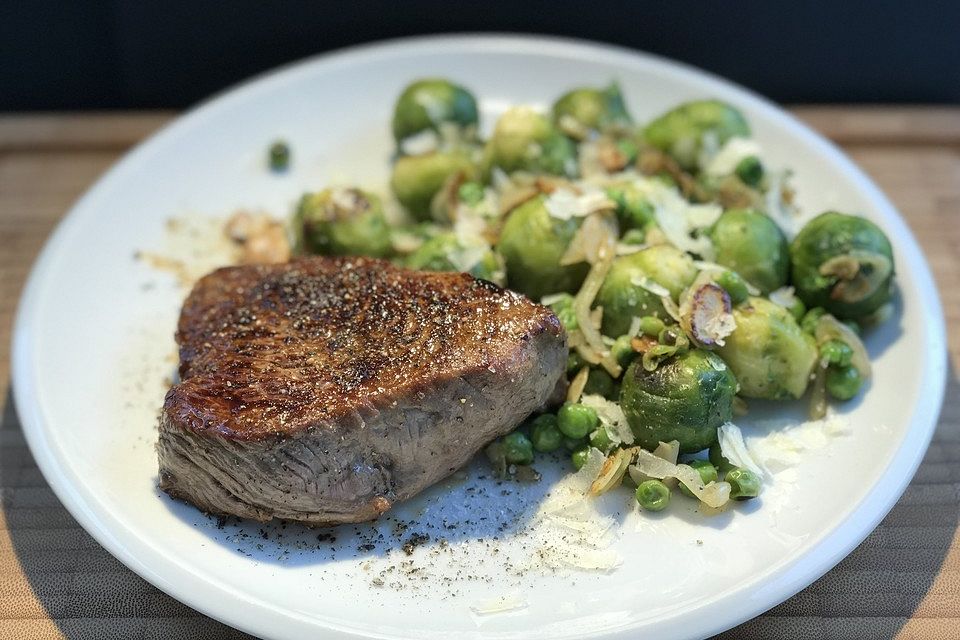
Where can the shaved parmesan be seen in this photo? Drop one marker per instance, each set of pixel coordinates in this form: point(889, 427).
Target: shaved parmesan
point(734, 448)
point(735, 150)
point(565, 204)
point(611, 416)
point(714, 494)
point(501, 604)
point(783, 297)
point(651, 285)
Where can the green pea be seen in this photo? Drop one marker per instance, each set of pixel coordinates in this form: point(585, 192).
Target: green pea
point(797, 309)
point(734, 285)
point(744, 484)
point(750, 171)
point(579, 457)
point(470, 193)
point(708, 474)
point(544, 434)
point(843, 383)
point(634, 236)
point(577, 420)
point(836, 352)
point(574, 363)
point(810, 319)
point(517, 448)
point(279, 156)
point(622, 351)
point(601, 383)
point(651, 325)
point(600, 439)
point(717, 459)
point(653, 495)
point(572, 444)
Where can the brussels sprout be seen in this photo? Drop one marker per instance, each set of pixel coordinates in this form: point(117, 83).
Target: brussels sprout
point(583, 110)
point(844, 264)
point(685, 399)
point(532, 243)
point(770, 355)
point(447, 252)
point(417, 179)
point(751, 243)
point(622, 299)
point(341, 222)
point(524, 140)
point(634, 211)
point(426, 104)
point(601, 383)
point(681, 130)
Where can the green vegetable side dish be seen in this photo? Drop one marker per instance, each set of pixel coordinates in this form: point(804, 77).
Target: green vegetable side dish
point(844, 264)
point(417, 179)
point(769, 354)
point(525, 140)
point(751, 244)
point(447, 252)
point(341, 222)
point(623, 299)
point(584, 110)
point(659, 247)
point(685, 399)
point(532, 242)
point(653, 495)
point(427, 104)
point(683, 131)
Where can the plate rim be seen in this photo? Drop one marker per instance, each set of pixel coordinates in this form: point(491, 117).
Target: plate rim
point(263, 618)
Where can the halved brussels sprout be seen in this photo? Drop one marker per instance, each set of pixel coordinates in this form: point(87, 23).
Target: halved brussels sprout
point(583, 110)
point(844, 264)
point(686, 398)
point(680, 131)
point(341, 222)
point(768, 352)
point(426, 104)
point(524, 140)
point(417, 179)
point(633, 210)
point(532, 243)
point(751, 243)
point(623, 299)
point(448, 252)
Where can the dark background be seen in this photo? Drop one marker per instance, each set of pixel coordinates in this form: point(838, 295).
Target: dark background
point(63, 54)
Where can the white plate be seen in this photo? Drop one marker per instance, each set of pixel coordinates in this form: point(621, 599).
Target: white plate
point(93, 337)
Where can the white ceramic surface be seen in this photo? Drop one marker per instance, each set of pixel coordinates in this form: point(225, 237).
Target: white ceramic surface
point(93, 340)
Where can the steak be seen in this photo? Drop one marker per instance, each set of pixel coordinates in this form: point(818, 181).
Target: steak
point(327, 389)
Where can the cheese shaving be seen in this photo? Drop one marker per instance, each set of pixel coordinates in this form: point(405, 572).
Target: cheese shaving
point(735, 150)
point(651, 285)
point(611, 416)
point(734, 448)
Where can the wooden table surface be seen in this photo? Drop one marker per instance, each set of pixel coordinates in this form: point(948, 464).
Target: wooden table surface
point(902, 582)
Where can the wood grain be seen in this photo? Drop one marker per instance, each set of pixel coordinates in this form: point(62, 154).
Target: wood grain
point(902, 582)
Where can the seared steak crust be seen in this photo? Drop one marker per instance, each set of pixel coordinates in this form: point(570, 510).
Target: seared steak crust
point(325, 389)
